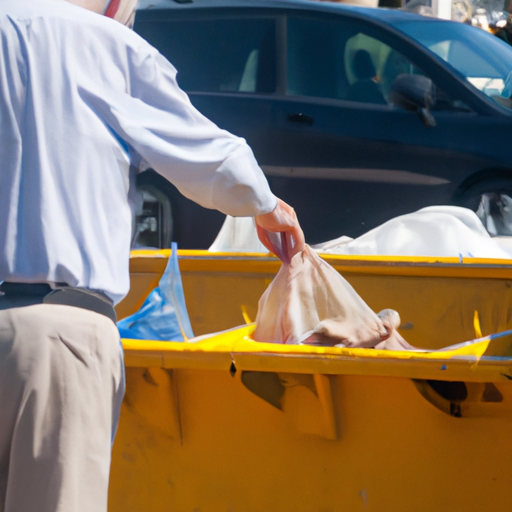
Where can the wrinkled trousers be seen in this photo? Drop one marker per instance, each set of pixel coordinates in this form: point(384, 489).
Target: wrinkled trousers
point(61, 386)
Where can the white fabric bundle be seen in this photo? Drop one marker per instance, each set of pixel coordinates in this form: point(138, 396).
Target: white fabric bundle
point(309, 302)
point(432, 231)
point(238, 234)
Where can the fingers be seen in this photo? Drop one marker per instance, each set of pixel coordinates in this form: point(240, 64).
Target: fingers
point(282, 219)
point(276, 243)
point(296, 242)
point(264, 239)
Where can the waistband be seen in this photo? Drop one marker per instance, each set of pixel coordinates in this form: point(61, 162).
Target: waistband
point(61, 294)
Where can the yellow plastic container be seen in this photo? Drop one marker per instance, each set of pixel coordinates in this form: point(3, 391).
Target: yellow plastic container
point(229, 424)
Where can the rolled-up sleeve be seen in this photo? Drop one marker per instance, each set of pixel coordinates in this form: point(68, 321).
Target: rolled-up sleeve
point(207, 164)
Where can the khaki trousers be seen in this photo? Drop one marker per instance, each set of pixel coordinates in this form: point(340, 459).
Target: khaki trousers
point(61, 385)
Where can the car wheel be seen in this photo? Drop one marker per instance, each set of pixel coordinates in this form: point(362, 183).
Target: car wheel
point(152, 225)
point(492, 202)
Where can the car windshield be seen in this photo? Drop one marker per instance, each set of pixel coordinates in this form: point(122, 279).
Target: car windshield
point(481, 58)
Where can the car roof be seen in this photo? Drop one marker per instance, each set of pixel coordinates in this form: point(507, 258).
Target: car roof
point(390, 16)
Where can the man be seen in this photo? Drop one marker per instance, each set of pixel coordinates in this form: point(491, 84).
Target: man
point(84, 103)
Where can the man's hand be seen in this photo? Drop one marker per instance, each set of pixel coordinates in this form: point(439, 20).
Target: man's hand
point(281, 220)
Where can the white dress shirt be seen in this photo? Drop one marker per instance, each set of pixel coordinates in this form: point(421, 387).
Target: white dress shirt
point(83, 98)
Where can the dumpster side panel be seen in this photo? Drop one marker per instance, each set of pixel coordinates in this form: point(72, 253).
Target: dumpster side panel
point(200, 440)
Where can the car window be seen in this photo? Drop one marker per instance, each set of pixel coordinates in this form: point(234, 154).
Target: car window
point(233, 55)
point(371, 67)
point(313, 53)
point(483, 60)
point(343, 61)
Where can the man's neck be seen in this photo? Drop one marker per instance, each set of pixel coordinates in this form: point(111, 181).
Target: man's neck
point(91, 5)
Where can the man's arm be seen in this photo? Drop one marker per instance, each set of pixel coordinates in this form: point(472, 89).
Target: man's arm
point(156, 118)
point(207, 164)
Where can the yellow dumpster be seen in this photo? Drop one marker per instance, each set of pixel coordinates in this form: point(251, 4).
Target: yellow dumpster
point(229, 424)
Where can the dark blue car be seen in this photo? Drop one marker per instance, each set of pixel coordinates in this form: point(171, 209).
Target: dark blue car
point(356, 115)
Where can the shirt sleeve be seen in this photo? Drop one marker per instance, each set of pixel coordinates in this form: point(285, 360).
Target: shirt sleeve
point(207, 164)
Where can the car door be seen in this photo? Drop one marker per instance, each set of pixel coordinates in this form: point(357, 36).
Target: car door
point(355, 159)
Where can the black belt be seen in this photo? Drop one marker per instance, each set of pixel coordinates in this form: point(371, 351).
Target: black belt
point(61, 294)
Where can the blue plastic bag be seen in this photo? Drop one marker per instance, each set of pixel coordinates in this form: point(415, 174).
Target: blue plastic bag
point(163, 316)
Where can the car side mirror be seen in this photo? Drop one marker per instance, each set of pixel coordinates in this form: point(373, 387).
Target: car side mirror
point(414, 93)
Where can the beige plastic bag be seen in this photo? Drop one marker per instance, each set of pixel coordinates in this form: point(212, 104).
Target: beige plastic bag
point(309, 302)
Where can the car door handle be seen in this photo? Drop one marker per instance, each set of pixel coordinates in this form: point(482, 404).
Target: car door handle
point(300, 118)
